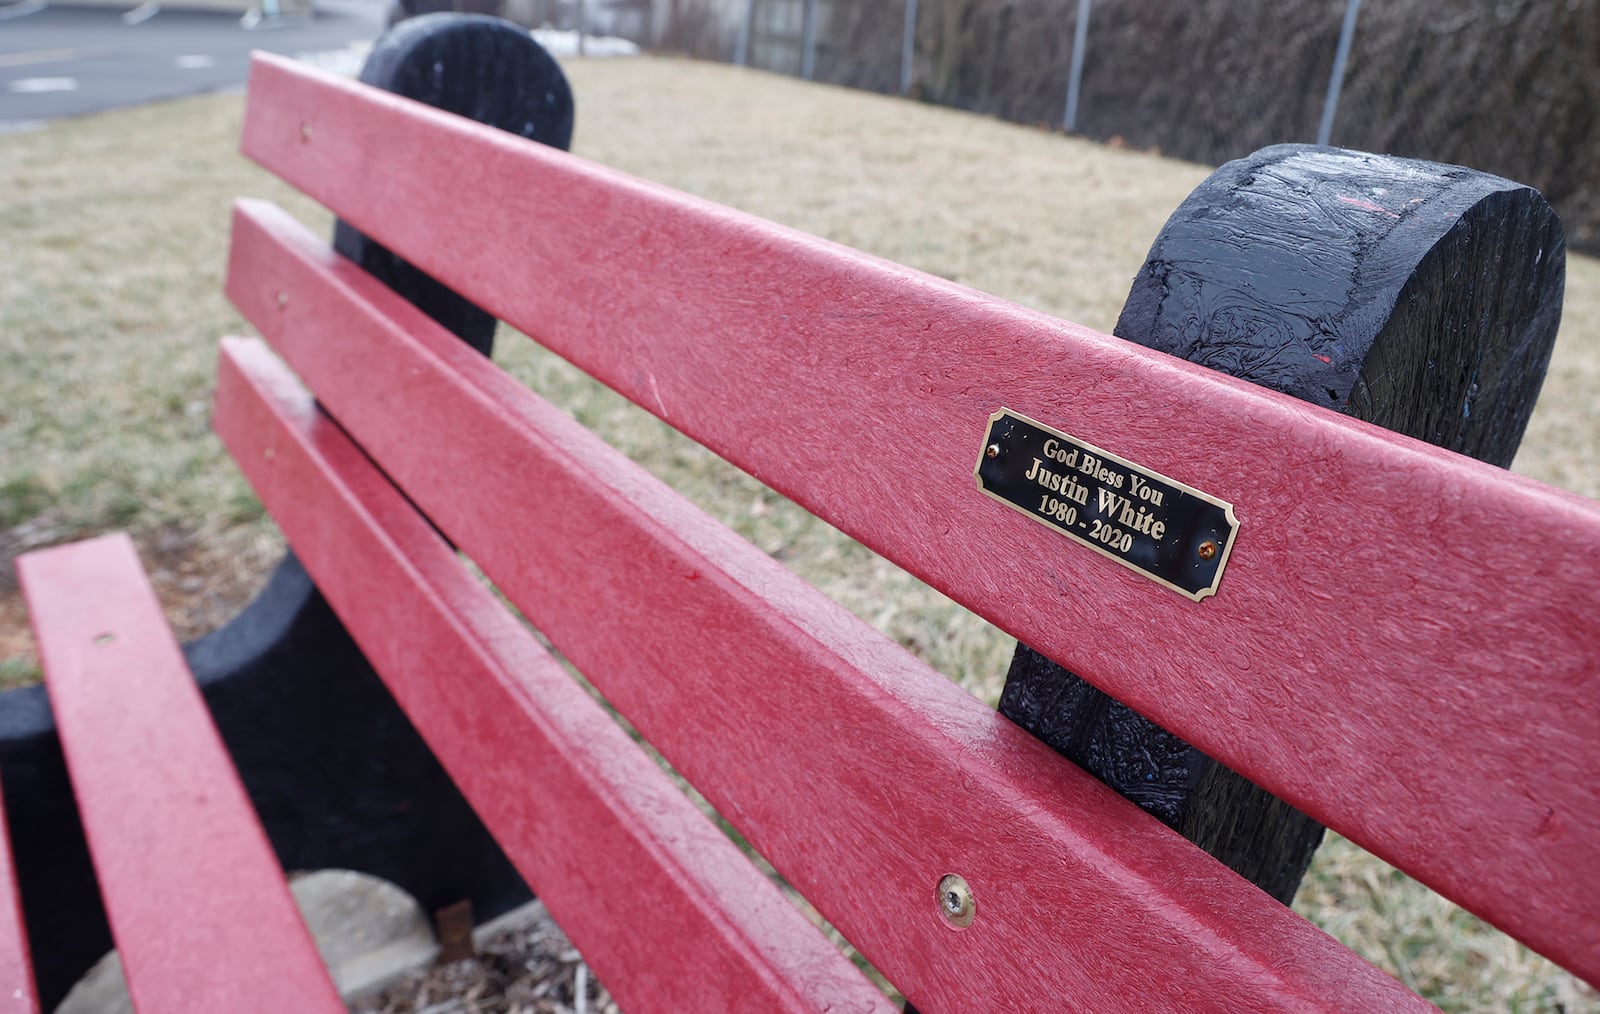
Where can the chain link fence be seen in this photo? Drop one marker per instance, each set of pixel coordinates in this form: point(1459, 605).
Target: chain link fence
point(1507, 86)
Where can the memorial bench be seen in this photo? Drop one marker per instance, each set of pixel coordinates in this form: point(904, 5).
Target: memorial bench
point(1401, 642)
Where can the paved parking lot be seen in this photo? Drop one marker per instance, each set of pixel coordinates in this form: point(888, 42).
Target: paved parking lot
point(66, 61)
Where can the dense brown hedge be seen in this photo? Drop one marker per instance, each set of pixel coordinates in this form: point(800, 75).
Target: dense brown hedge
point(1508, 86)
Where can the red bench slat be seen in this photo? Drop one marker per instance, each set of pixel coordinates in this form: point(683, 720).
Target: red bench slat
point(1422, 692)
point(863, 775)
point(198, 905)
point(665, 908)
point(17, 994)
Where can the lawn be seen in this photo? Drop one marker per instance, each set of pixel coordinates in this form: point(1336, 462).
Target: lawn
point(113, 232)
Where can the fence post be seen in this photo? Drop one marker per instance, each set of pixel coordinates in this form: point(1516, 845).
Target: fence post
point(908, 46)
point(1336, 79)
point(1080, 41)
point(808, 54)
point(741, 48)
point(581, 19)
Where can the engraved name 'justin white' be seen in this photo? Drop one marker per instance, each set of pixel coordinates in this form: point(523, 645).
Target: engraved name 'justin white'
point(1067, 485)
point(1123, 508)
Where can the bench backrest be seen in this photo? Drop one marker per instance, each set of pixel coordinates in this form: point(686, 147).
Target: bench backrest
point(1405, 643)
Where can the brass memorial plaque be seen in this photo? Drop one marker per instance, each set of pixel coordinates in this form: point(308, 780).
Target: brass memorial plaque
point(1172, 533)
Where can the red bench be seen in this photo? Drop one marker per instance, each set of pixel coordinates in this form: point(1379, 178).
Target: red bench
point(198, 904)
point(1402, 642)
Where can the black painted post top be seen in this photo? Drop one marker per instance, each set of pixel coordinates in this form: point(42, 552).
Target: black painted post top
point(1419, 296)
point(487, 70)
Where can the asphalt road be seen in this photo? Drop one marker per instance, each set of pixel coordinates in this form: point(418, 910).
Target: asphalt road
point(60, 61)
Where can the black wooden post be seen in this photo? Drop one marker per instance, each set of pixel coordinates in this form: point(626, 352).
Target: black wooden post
point(1417, 296)
point(338, 775)
point(484, 69)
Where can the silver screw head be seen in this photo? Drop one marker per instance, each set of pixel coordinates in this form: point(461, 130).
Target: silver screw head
point(956, 902)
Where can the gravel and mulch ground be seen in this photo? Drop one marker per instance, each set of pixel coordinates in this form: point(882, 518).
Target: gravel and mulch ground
point(528, 968)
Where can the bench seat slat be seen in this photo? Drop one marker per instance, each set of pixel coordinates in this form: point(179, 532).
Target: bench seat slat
point(664, 907)
point(870, 775)
point(17, 992)
point(198, 905)
point(1423, 692)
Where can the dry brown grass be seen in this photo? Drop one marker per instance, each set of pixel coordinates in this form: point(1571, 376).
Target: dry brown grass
point(112, 230)
point(113, 234)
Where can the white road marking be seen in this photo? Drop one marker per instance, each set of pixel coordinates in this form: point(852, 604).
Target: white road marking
point(195, 61)
point(43, 56)
point(21, 10)
point(142, 13)
point(34, 85)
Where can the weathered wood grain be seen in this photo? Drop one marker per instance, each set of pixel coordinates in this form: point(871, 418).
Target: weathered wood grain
point(198, 904)
point(1382, 578)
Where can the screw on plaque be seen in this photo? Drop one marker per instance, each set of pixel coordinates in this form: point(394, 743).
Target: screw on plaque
point(956, 902)
point(1208, 549)
point(992, 451)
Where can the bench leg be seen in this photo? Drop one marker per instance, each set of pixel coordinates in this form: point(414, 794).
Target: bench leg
point(338, 775)
point(60, 896)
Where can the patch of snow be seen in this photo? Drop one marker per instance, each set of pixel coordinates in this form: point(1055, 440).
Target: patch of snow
point(560, 43)
point(35, 85)
point(344, 62)
point(347, 62)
